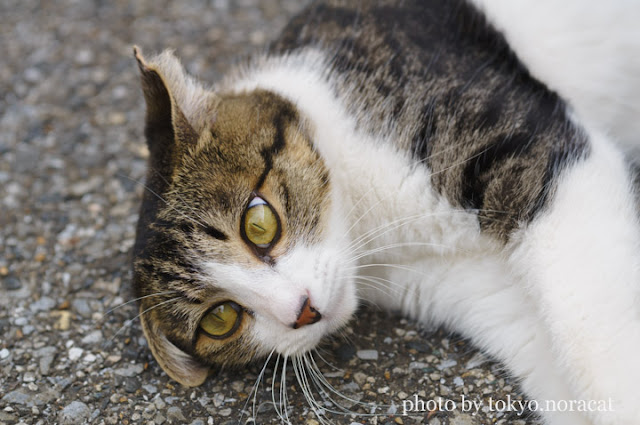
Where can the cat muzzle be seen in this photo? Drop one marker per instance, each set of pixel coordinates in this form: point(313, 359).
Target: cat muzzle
point(308, 315)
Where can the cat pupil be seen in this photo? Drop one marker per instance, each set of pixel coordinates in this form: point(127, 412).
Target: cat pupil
point(260, 229)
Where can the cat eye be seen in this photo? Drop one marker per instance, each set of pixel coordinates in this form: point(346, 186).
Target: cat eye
point(260, 223)
point(222, 320)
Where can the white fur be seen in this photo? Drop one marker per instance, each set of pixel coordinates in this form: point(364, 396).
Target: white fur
point(275, 295)
point(586, 50)
point(558, 306)
point(580, 262)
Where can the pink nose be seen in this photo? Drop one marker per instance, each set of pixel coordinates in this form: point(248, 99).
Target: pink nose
point(308, 315)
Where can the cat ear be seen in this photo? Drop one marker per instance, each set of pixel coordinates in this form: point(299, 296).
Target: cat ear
point(176, 363)
point(167, 128)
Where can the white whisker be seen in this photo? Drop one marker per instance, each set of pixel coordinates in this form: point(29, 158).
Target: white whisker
point(130, 321)
point(111, 310)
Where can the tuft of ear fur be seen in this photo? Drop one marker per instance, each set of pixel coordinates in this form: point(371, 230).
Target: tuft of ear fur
point(179, 365)
point(196, 104)
point(166, 127)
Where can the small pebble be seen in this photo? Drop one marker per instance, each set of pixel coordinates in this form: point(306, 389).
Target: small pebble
point(75, 412)
point(92, 338)
point(367, 354)
point(81, 306)
point(64, 319)
point(129, 370)
point(159, 402)
point(4, 353)
point(43, 304)
point(75, 353)
point(84, 56)
point(224, 412)
point(16, 397)
point(175, 414)
point(131, 385)
point(11, 283)
point(445, 364)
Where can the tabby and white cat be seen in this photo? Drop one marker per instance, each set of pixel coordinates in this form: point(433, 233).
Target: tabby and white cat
point(404, 141)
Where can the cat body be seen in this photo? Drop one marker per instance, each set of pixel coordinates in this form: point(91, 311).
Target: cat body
point(403, 155)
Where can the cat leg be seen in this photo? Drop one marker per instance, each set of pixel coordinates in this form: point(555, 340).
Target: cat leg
point(580, 261)
point(478, 296)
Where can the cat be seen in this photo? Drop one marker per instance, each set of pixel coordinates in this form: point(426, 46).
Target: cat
point(401, 152)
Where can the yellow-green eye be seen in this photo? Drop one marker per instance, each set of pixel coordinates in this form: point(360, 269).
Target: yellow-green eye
point(260, 223)
point(222, 321)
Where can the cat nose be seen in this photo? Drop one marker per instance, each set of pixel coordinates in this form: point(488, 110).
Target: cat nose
point(308, 315)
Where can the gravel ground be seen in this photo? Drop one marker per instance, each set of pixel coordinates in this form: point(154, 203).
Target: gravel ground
point(71, 157)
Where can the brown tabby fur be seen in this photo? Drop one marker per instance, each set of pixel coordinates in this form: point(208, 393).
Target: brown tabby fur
point(203, 172)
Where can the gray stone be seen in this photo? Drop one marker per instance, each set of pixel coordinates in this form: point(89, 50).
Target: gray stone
point(43, 304)
point(75, 353)
point(75, 412)
point(92, 338)
point(446, 364)
point(175, 414)
point(159, 402)
point(129, 370)
point(11, 283)
point(16, 397)
point(131, 384)
point(82, 307)
point(367, 354)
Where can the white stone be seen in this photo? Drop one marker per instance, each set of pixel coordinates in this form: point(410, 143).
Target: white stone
point(75, 353)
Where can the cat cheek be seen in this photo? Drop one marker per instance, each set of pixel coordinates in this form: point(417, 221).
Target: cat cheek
point(179, 365)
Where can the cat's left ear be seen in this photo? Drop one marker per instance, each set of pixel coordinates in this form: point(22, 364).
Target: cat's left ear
point(176, 363)
point(176, 103)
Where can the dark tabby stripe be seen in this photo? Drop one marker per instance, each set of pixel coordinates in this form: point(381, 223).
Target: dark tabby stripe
point(459, 100)
point(482, 165)
point(284, 116)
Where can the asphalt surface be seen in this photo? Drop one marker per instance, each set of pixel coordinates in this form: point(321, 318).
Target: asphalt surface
point(72, 159)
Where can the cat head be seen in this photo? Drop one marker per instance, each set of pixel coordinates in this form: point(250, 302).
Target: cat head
point(240, 241)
